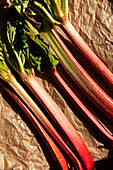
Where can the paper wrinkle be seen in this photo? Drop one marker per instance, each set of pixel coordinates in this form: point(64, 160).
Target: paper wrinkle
point(19, 146)
point(94, 22)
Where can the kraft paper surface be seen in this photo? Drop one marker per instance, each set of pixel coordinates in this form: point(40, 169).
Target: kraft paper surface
point(21, 147)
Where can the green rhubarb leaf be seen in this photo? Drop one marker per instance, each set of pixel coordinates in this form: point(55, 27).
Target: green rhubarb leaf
point(46, 3)
point(42, 8)
point(5, 72)
point(54, 10)
point(27, 47)
point(40, 54)
point(42, 58)
point(51, 6)
point(50, 9)
point(18, 47)
point(20, 5)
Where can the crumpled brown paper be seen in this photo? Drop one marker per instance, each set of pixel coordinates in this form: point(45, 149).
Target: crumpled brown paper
point(21, 147)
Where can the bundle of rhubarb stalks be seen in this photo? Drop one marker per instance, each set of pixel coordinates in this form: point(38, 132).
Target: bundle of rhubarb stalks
point(32, 46)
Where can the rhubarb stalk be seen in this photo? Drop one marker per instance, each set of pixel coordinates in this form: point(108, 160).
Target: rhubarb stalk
point(75, 100)
point(80, 106)
point(8, 77)
point(56, 153)
point(56, 12)
point(88, 54)
point(79, 75)
point(19, 49)
point(51, 14)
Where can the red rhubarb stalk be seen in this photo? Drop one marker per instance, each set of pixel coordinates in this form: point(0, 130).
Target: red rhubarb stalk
point(79, 75)
point(7, 76)
point(22, 65)
point(74, 69)
point(69, 132)
point(56, 12)
point(88, 54)
point(44, 121)
point(81, 107)
point(56, 153)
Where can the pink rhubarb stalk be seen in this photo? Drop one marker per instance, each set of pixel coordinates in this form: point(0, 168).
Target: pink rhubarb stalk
point(81, 107)
point(87, 53)
point(80, 76)
point(44, 121)
point(69, 132)
point(56, 153)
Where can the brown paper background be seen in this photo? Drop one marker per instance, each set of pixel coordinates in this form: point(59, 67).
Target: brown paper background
point(21, 147)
